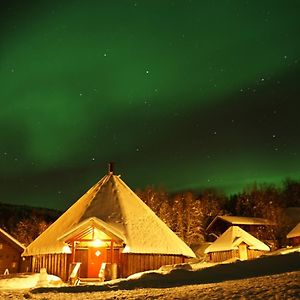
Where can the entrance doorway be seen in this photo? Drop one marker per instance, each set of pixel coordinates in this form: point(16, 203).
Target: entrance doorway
point(96, 256)
point(91, 260)
point(243, 249)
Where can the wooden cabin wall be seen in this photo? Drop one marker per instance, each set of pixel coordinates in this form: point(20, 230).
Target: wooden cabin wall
point(224, 255)
point(128, 263)
point(133, 263)
point(10, 257)
point(252, 254)
point(295, 241)
point(55, 264)
point(25, 264)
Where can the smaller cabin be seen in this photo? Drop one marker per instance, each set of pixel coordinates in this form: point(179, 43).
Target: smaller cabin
point(10, 254)
point(235, 243)
point(294, 235)
point(255, 226)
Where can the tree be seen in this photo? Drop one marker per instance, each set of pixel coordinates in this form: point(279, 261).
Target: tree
point(29, 229)
point(264, 201)
point(291, 193)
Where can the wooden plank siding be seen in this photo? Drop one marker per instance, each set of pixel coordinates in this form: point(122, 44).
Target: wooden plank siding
point(56, 264)
point(134, 263)
point(252, 254)
point(128, 263)
point(224, 255)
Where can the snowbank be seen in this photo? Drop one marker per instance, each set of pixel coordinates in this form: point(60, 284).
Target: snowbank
point(280, 286)
point(28, 281)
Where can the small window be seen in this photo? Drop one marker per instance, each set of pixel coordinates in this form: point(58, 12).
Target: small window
point(1, 246)
point(14, 265)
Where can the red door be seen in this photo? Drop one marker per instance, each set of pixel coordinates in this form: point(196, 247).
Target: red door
point(96, 256)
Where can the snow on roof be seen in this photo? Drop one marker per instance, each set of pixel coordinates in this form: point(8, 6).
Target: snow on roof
point(237, 220)
point(113, 206)
point(232, 238)
point(12, 239)
point(294, 232)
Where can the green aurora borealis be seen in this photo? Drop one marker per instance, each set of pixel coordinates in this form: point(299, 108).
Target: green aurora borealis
point(180, 94)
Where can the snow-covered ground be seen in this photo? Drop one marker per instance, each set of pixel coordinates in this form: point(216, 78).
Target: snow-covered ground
point(278, 287)
point(271, 277)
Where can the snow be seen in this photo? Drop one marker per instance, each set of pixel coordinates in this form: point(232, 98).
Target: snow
point(238, 220)
point(294, 232)
point(282, 286)
point(28, 281)
point(270, 277)
point(232, 238)
point(113, 207)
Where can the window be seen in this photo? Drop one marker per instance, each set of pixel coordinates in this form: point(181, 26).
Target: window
point(14, 265)
point(1, 246)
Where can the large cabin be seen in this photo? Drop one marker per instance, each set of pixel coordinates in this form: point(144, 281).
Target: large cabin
point(108, 233)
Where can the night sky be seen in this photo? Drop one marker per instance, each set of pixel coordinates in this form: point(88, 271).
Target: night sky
point(180, 94)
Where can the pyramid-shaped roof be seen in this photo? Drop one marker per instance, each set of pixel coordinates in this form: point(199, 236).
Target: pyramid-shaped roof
point(113, 207)
point(232, 238)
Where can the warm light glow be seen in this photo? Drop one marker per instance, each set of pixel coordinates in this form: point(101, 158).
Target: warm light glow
point(66, 249)
point(97, 243)
point(98, 253)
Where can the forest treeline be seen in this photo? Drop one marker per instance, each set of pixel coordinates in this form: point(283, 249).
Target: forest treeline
point(186, 213)
point(25, 223)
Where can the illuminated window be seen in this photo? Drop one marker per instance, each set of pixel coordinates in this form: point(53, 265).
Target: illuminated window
point(1, 246)
point(14, 264)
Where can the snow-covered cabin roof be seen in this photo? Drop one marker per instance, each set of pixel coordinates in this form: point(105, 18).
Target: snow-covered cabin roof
point(294, 232)
point(7, 236)
point(237, 220)
point(116, 209)
point(232, 238)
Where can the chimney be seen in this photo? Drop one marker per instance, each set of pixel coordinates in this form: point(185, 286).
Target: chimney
point(111, 167)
